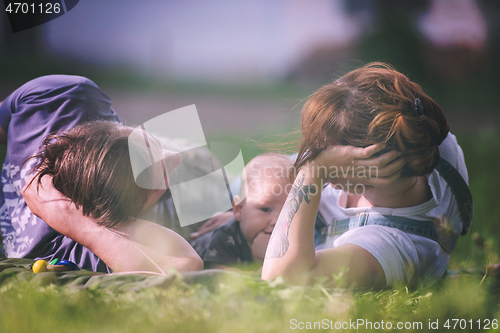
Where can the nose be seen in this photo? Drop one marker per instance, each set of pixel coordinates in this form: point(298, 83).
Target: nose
point(272, 223)
point(274, 220)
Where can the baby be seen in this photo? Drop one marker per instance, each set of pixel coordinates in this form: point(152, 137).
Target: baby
point(265, 184)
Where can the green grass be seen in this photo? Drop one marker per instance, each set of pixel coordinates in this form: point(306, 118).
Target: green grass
point(247, 305)
point(250, 305)
point(482, 160)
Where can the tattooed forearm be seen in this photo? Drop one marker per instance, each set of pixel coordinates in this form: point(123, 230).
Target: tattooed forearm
point(278, 244)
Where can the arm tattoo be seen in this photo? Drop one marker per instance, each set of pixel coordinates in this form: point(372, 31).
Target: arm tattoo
point(278, 244)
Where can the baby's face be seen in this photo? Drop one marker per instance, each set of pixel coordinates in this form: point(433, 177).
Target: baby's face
point(259, 211)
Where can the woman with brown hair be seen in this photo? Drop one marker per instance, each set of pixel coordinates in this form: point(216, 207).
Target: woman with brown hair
point(396, 222)
point(88, 200)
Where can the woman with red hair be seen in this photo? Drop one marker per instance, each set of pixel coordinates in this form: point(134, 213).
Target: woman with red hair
point(398, 198)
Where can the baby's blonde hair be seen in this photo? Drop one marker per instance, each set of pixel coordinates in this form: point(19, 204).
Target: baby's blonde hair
point(280, 165)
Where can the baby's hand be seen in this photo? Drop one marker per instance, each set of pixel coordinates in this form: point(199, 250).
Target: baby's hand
point(259, 246)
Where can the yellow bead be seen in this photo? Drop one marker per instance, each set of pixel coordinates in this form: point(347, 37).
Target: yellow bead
point(40, 266)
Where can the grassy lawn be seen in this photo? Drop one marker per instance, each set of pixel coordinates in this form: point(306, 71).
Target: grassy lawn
point(245, 305)
point(463, 302)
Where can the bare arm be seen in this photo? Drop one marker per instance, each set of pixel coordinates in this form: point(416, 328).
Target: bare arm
point(291, 252)
point(147, 246)
point(212, 224)
point(136, 245)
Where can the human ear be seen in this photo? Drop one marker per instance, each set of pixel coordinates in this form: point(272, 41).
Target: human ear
point(237, 206)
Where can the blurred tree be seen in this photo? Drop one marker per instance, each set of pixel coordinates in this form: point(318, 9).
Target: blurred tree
point(395, 38)
point(28, 41)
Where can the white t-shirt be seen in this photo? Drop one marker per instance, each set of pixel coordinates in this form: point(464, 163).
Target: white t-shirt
point(404, 256)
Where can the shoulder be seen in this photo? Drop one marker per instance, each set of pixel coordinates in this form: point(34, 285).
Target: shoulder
point(225, 244)
point(55, 82)
point(60, 100)
point(451, 152)
point(52, 89)
point(447, 210)
point(228, 235)
point(231, 227)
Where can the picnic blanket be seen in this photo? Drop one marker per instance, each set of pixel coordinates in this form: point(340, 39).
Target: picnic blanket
point(13, 270)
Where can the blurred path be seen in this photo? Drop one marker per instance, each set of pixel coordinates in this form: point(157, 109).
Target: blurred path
point(226, 115)
point(240, 116)
point(218, 114)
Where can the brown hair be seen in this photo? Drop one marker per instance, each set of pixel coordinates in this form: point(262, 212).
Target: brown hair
point(374, 104)
point(90, 164)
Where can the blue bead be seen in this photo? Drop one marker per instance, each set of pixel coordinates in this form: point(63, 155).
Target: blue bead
point(69, 264)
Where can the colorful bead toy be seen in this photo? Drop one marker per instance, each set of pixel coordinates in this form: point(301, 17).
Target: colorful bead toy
point(40, 266)
point(55, 265)
point(69, 264)
point(54, 261)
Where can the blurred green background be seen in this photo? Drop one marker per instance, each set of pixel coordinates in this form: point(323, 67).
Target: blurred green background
point(249, 66)
point(451, 48)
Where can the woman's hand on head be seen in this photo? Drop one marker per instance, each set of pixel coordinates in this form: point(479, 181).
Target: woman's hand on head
point(135, 246)
point(57, 210)
point(41, 195)
point(359, 165)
